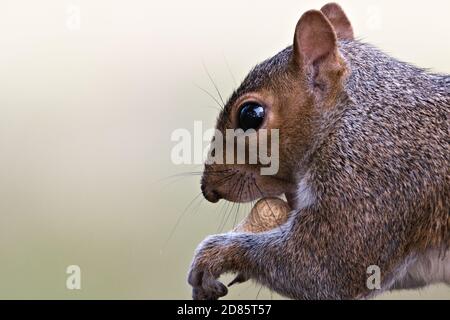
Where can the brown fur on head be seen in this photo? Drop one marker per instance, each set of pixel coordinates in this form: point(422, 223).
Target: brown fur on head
point(295, 88)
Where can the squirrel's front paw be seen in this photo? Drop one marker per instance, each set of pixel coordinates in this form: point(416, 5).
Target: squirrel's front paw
point(205, 286)
point(205, 270)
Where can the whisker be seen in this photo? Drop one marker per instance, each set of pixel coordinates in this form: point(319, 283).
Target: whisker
point(223, 210)
point(238, 188)
point(214, 84)
point(236, 215)
point(244, 181)
point(221, 171)
point(197, 207)
point(178, 177)
point(226, 216)
point(180, 217)
point(230, 72)
point(211, 96)
point(225, 179)
point(232, 207)
point(170, 183)
point(259, 291)
point(226, 205)
point(179, 174)
point(182, 174)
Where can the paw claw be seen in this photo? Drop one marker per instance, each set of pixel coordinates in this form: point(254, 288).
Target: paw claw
point(240, 278)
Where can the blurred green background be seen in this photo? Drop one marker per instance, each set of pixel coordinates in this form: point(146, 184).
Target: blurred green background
point(90, 93)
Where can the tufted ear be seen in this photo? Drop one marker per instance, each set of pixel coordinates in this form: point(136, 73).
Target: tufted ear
point(339, 20)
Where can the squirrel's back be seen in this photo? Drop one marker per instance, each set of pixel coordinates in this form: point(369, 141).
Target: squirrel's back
point(388, 148)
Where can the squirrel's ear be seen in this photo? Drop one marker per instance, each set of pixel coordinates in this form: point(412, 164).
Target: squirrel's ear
point(339, 20)
point(314, 39)
point(316, 55)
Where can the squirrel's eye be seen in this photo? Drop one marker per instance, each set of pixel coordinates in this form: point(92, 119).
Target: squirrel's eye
point(251, 116)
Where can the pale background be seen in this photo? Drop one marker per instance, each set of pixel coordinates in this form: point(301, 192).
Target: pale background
point(86, 112)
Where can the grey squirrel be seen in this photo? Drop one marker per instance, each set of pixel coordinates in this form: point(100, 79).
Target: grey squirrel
point(364, 164)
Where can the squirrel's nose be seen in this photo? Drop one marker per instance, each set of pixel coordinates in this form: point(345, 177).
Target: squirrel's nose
point(210, 195)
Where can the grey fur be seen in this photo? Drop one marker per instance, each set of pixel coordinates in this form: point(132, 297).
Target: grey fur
point(379, 172)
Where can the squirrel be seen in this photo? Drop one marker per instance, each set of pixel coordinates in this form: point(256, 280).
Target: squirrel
point(364, 164)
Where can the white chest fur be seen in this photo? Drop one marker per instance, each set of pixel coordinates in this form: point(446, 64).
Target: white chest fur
point(430, 267)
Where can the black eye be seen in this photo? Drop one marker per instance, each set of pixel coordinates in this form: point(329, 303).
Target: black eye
point(251, 116)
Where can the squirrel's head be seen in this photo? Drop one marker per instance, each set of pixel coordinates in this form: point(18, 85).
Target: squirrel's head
point(276, 107)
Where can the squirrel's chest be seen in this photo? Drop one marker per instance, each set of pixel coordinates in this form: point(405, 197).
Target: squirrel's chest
point(433, 266)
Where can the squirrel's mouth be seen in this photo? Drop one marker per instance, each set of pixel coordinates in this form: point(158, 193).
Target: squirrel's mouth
point(244, 185)
point(214, 197)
